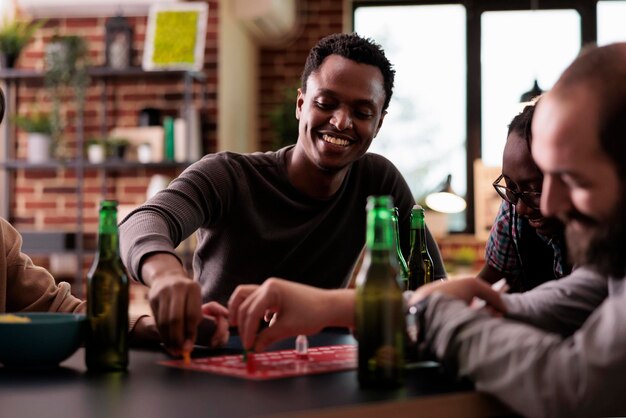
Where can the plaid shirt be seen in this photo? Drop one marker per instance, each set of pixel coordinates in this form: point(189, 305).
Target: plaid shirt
point(502, 251)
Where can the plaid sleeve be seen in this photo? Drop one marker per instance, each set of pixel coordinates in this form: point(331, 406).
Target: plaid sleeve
point(500, 252)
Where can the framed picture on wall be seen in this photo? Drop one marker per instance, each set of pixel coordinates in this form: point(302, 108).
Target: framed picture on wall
point(175, 36)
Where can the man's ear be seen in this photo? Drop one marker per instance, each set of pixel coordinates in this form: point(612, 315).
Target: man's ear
point(299, 103)
point(380, 122)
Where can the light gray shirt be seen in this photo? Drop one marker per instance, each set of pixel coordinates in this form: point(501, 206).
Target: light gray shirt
point(561, 351)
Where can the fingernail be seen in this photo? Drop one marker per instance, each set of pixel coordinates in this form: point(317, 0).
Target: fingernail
point(188, 346)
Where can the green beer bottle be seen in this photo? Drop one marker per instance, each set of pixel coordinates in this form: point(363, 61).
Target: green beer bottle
point(380, 321)
point(106, 347)
point(420, 262)
point(404, 270)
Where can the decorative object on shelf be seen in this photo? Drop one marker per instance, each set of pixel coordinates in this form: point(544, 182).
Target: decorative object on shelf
point(119, 37)
point(168, 128)
point(96, 151)
point(144, 153)
point(176, 36)
point(116, 148)
point(152, 135)
point(39, 139)
point(14, 36)
point(65, 71)
point(149, 116)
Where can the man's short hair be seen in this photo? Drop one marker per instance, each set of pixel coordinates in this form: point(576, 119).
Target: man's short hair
point(355, 48)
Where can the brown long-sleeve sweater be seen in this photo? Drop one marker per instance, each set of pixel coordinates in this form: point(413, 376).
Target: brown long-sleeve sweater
point(25, 287)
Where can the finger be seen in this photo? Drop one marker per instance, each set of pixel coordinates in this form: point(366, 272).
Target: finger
point(240, 294)
point(220, 337)
point(162, 318)
point(214, 309)
point(175, 330)
point(250, 313)
point(491, 297)
point(193, 315)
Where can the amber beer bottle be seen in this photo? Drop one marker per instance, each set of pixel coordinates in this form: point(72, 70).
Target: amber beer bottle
point(380, 322)
point(420, 263)
point(404, 270)
point(107, 298)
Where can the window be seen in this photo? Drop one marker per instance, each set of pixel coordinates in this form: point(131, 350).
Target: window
point(508, 47)
point(424, 130)
point(611, 21)
point(517, 48)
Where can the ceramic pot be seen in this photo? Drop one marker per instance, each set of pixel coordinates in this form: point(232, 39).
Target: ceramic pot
point(39, 147)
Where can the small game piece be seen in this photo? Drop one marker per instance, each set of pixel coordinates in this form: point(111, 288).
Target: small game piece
point(246, 354)
point(250, 363)
point(187, 358)
point(302, 347)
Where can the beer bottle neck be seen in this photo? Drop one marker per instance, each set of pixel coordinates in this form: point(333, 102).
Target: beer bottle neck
point(108, 235)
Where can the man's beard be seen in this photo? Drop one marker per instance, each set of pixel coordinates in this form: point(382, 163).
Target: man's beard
point(599, 246)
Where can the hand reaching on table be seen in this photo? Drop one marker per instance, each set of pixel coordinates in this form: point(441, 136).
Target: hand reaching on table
point(175, 300)
point(465, 289)
point(294, 309)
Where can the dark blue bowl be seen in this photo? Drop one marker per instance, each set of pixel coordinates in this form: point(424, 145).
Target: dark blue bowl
point(47, 340)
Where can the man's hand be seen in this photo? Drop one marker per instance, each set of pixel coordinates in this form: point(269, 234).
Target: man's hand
point(175, 300)
point(294, 309)
point(216, 335)
point(464, 289)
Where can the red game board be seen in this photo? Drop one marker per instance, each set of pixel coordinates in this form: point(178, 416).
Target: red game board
point(275, 364)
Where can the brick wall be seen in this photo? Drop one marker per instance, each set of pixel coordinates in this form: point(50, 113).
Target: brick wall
point(47, 200)
point(281, 67)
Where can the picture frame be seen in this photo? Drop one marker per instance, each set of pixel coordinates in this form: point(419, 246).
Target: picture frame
point(175, 37)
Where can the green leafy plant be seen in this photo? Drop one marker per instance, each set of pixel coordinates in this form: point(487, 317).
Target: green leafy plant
point(66, 72)
point(283, 119)
point(15, 35)
point(36, 122)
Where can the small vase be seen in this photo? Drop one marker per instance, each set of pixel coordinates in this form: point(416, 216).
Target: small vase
point(39, 147)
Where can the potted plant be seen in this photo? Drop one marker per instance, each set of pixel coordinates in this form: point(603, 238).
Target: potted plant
point(14, 36)
point(66, 73)
point(283, 119)
point(116, 148)
point(39, 128)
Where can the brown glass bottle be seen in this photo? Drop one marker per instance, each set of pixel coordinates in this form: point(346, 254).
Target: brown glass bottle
point(106, 348)
point(420, 263)
point(380, 321)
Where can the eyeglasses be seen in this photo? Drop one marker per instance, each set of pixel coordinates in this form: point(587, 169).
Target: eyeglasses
point(530, 199)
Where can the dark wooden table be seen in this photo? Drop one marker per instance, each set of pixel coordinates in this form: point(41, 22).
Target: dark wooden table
point(152, 390)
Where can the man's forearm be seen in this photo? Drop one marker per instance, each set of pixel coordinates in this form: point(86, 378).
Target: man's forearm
point(160, 265)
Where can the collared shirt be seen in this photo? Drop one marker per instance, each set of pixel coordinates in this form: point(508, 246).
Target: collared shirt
point(503, 251)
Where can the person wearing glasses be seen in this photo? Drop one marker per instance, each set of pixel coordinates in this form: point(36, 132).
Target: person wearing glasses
point(524, 247)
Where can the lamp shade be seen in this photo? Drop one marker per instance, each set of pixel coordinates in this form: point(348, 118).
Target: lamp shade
point(445, 200)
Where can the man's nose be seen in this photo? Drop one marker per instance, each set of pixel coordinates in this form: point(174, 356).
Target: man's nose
point(341, 119)
point(554, 197)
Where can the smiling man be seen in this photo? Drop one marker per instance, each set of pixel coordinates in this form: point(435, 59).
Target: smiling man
point(524, 246)
point(297, 213)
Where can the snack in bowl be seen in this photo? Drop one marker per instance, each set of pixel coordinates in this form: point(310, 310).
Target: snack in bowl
point(14, 318)
point(39, 339)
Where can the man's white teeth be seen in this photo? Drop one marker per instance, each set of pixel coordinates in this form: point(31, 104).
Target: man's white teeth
point(336, 141)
